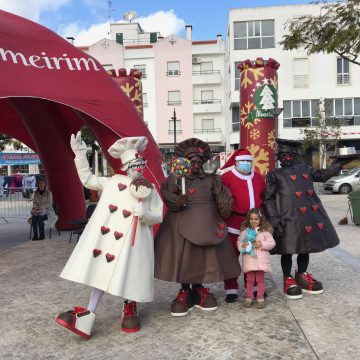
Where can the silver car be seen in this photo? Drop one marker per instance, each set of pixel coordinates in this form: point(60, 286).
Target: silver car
point(344, 184)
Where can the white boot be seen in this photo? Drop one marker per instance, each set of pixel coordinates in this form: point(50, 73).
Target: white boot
point(79, 321)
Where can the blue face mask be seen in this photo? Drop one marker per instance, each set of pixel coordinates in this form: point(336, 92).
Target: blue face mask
point(244, 167)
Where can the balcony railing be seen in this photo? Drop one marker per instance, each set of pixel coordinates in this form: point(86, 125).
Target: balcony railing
point(343, 79)
point(206, 72)
point(206, 131)
point(300, 80)
point(174, 102)
point(171, 131)
point(207, 101)
point(173, 73)
point(145, 104)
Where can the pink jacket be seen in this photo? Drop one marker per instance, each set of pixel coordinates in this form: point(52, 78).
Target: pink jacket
point(261, 260)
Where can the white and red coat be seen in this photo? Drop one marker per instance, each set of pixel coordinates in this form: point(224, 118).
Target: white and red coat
point(247, 192)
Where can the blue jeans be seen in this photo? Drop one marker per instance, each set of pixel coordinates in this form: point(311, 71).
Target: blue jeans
point(38, 222)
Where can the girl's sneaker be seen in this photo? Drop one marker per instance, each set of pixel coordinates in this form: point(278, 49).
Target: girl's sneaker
point(261, 303)
point(248, 302)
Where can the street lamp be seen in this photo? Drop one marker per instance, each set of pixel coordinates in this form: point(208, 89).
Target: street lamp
point(275, 112)
point(174, 119)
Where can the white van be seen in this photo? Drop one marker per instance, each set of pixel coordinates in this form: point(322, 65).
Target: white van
point(344, 184)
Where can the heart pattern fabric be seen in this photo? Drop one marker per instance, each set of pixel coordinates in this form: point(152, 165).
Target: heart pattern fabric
point(191, 191)
point(220, 234)
point(221, 226)
point(293, 177)
point(308, 229)
point(320, 226)
point(305, 176)
point(126, 213)
point(315, 207)
point(303, 209)
point(298, 194)
point(310, 192)
point(96, 252)
point(112, 208)
point(104, 230)
point(109, 257)
point(118, 235)
point(122, 186)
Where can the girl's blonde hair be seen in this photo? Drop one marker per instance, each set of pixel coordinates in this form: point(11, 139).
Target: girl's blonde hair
point(264, 223)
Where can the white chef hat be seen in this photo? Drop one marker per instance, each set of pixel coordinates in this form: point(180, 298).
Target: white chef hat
point(127, 149)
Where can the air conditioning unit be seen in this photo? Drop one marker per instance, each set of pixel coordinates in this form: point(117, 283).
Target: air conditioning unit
point(196, 60)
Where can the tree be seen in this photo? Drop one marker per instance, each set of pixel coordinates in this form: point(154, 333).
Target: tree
point(90, 140)
point(324, 135)
point(335, 30)
point(4, 140)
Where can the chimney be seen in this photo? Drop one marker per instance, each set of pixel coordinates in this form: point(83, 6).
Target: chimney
point(188, 29)
point(70, 39)
point(219, 38)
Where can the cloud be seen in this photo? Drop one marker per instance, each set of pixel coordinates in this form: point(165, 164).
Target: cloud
point(31, 9)
point(165, 22)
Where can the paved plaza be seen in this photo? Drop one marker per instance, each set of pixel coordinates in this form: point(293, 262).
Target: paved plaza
point(325, 327)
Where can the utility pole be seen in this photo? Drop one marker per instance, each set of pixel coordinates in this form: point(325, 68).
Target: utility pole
point(174, 119)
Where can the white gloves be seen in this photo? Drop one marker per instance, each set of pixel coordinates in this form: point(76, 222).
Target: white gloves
point(78, 146)
point(139, 210)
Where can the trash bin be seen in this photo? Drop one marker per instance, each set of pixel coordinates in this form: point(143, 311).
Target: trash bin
point(354, 203)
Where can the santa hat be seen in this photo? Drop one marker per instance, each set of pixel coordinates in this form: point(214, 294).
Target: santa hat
point(240, 154)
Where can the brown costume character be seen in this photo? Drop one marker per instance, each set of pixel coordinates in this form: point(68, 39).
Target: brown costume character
point(190, 246)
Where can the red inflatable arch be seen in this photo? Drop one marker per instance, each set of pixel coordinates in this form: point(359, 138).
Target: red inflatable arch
point(48, 90)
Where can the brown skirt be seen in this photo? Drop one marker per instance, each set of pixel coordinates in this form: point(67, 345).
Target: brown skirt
point(179, 260)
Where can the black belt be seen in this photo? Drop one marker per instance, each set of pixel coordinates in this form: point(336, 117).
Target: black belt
point(239, 214)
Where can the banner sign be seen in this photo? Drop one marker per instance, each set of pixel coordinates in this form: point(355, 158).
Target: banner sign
point(19, 158)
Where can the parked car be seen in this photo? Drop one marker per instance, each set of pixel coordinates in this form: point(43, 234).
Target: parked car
point(344, 184)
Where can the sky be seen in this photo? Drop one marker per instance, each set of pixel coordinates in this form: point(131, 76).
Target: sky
point(88, 20)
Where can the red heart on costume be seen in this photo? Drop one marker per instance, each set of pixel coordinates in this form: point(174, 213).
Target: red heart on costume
point(320, 226)
point(308, 228)
point(310, 192)
point(122, 186)
point(118, 235)
point(221, 225)
point(104, 230)
point(305, 176)
point(109, 257)
point(293, 177)
point(303, 210)
point(112, 208)
point(191, 191)
point(96, 252)
point(219, 233)
point(126, 213)
point(298, 194)
point(315, 207)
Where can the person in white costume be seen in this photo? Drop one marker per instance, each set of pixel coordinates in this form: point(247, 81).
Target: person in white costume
point(115, 253)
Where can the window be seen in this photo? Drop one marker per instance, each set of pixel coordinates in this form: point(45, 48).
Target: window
point(108, 67)
point(174, 97)
point(301, 72)
point(206, 67)
point(343, 73)
point(141, 68)
point(173, 68)
point(145, 101)
point(237, 76)
point(300, 113)
point(235, 119)
point(254, 34)
point(207, 96)
point(178, 126)
point(345, 112)
point(207, 125)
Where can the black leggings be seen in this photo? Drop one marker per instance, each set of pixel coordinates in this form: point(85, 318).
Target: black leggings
point(286, 263)
point(187, 286)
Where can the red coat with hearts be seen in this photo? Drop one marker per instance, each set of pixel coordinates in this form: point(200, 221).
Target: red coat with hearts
point(247, 192)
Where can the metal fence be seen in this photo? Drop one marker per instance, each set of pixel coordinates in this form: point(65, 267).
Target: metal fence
point(15, 203)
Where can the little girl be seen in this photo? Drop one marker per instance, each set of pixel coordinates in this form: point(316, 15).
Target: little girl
point(254, 243)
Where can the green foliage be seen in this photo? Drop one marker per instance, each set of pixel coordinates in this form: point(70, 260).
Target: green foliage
point(335, 30)
point(4, 140)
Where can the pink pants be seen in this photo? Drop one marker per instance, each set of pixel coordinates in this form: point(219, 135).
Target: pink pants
point(251, 277)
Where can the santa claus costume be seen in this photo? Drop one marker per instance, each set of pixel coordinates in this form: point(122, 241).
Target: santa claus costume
point(247, 188)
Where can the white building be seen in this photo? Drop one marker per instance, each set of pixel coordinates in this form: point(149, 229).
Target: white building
point(303, 79)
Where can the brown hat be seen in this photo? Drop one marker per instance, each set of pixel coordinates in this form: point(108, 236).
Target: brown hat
point(193, 146)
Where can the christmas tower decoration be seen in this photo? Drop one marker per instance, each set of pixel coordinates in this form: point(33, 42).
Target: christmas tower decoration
point(258, 95)
point(131, 85)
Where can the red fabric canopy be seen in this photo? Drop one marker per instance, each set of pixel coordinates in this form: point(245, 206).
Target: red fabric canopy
point(48, 90)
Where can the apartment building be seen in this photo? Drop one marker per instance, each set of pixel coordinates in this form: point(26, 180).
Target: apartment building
point(179, 75)
point(303, 79)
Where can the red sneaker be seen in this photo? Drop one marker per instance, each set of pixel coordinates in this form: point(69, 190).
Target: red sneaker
point(204, 299)
point(308, 283)
point(130, 321)
point(291, 289)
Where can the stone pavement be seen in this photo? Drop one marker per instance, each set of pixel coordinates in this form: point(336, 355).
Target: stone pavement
point(325, 327)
